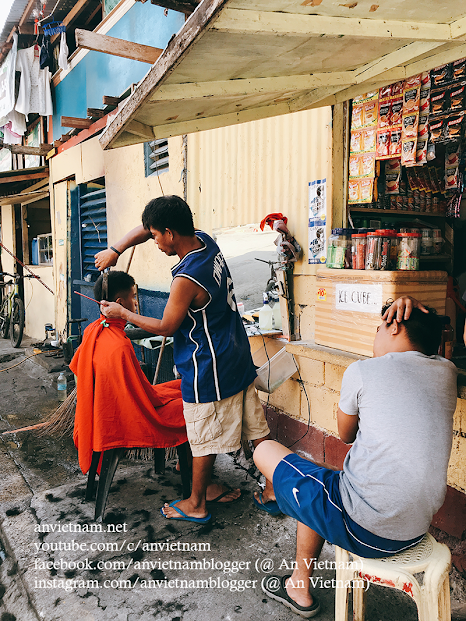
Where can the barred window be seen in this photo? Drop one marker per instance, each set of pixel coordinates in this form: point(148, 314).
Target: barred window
point(156, 157)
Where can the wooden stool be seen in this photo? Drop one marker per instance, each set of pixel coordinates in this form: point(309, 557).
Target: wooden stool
point(432, 596)
point(110, 462)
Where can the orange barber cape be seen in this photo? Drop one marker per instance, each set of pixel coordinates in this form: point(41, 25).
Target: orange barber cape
point(117, 407)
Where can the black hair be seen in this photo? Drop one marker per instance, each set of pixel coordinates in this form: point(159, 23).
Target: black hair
point(424, 330)
point(118, 283)
point(168, 212)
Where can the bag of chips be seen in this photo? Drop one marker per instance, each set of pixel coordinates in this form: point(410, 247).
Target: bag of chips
point(436, 129)
point(439, 101)
point(440, 75)
point(454, 128)
point(457, 97)
point(459, 69)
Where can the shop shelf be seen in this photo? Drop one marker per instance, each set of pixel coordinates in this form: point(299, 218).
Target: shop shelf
point(435, 257)
point(395, 212)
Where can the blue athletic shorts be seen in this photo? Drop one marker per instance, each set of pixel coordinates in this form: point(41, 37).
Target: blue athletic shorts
point(311, 495)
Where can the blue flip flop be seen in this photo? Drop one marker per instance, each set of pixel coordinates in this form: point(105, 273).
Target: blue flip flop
point(270, 507)
point(186, 518)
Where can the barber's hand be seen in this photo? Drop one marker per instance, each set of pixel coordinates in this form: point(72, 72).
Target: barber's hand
point(112, 310)
point(402, 308)
point(105, 258)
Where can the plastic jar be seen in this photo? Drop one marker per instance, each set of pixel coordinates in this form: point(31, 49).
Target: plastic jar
point(409, 245)
point(384, 262)
point(337, 246)
point(437, 240)
point(358, 250)
point(427, 241)
point(373, 249)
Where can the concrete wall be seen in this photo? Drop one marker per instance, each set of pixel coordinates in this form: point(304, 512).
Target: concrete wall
point(128, 191)
point(59, 217)
point(38, 302)
point(8, 237)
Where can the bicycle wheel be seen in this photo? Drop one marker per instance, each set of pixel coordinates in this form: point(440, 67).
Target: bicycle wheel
point(4, 320)
point(17, 322)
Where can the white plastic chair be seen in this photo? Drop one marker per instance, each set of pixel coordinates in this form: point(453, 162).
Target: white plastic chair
point(432, 594)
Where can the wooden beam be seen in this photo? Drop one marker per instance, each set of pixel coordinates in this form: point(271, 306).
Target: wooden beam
point(117, 47)
point(262, 22)
point(27, 177)
point(182, 7)
point(96, 113)
point(139, 129)
point(197, 90)
point(24, 150)
point(458, 28)
point(111, 101)
point(71, 121)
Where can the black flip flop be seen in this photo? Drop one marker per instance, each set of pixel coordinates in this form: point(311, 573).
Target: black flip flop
point(223, 494)
point(274, 587)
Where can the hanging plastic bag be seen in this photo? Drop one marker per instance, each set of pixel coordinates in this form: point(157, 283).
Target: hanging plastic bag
point(63, 54)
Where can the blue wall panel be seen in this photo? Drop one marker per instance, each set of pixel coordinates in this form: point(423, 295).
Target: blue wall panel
point(102, 74)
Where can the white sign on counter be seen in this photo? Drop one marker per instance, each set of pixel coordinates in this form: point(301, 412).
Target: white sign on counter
point(358, 298)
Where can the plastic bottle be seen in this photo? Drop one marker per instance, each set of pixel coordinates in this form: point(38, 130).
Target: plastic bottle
point(277, 314)
point(266, 315)
point(61, 386)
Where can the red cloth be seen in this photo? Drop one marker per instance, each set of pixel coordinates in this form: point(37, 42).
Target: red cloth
point(116, 406)
point(270, 219)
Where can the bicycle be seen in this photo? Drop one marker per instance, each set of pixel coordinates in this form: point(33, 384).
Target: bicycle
point(12, 311)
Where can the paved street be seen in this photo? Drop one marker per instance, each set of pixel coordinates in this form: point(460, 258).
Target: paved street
point(119, 575)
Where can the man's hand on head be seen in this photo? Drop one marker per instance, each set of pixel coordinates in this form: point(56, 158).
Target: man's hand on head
point(112, 310)
point(401, 309)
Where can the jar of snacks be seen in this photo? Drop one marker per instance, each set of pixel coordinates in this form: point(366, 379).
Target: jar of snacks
point(438, 241)
point(373, 249)
point(427, 241)
point(409, 246)
point(358, 250)
point(337, 248)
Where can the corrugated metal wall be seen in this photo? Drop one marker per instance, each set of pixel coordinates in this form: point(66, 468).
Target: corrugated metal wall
point(239, 174)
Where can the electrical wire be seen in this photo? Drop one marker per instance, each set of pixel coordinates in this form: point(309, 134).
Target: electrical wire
point(23, 360)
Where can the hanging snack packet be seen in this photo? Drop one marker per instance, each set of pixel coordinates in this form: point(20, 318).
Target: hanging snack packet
point(451, 178)
point(392, 166)
point(354, 166)
point(431, 155)
point(369, 140)
point(457, 97)
point(367, 165)
point(385, 91)
point(383, 143)
point(421, 152)
point(424, 105)
point(411, 100)
point(397, 88)
point(397, 110)
point(423, 127)
point(439, 101)
point(370, 113)
point(385, 108)
point(425, 79)
point(440, 75)
point(454, 127)
point(357, 118)
point(452, 155)
point(356, 141)
point(459, 69)
point(395, 142)
point(366, 190)
point(434, 184)
point(410, 125)
point(412, 82)
point(353, 191)
point(436, 129)
point(408, 152)
point(392, 183)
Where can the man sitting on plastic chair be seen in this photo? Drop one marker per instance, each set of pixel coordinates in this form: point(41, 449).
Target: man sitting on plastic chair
point(117, 407)
point(397, 410)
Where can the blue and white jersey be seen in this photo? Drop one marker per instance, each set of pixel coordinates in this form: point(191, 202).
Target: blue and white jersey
point(211, 349)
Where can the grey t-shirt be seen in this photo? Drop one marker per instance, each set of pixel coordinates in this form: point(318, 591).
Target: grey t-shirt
point(394, 477)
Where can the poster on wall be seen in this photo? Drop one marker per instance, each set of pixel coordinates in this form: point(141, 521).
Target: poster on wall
point(317, 221)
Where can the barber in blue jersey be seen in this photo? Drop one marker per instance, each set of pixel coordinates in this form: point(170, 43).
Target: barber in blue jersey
point(211, 351)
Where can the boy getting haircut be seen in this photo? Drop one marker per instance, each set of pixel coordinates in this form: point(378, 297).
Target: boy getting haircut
point(118, 283)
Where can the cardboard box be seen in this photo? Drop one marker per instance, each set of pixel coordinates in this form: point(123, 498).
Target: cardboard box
point(348, 302)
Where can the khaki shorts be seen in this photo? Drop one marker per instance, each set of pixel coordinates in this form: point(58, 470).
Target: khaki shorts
point(219, 426)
